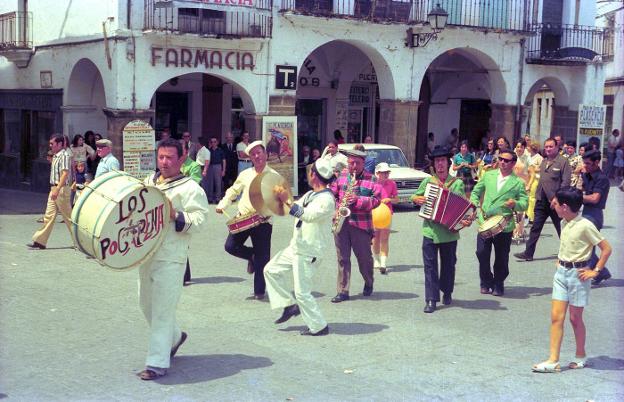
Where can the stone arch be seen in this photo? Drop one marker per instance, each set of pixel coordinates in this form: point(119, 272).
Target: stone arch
point(385, 78)
point(555, 85)
point(248, 101)
point(85, 99)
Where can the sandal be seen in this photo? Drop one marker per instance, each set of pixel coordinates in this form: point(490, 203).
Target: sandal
point(149, 375)
point(578, 363)
point(546, 367)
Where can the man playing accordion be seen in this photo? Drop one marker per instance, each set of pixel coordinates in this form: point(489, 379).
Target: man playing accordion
point(437, 239)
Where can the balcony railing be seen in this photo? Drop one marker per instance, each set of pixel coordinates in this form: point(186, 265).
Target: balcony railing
point(237, 22)
point(568, 44)
point(16, 31)
point(504, 15)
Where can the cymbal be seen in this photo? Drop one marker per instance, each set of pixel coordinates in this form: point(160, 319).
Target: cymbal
point(262, 197)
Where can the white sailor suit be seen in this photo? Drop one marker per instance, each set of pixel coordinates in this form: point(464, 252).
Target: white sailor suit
point(311, 237)
point(160, 279)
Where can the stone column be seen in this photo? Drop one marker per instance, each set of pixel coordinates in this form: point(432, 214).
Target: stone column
point(564, 122)
point(117, 120)
point(398, 122)
point(502, 121)
point(253, 124)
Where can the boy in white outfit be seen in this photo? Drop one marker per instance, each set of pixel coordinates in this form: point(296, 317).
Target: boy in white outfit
point(311, 236)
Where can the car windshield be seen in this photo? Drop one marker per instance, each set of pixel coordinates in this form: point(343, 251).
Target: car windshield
point(393, 157)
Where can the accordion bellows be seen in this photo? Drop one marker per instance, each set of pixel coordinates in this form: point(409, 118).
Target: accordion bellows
point(445, 207)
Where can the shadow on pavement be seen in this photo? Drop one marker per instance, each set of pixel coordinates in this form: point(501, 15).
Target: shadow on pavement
point(345, 328)
point(403, 268)
point(202, 368)
point(217, 279)
point(524, 292)
point(485, 304)
point(610, 283)
point(386, 296)
point(605, 363)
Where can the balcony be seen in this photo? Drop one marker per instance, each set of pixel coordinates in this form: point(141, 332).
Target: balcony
point(16, 37)
point(568, 44)
point(247, 19)
point(502, 15)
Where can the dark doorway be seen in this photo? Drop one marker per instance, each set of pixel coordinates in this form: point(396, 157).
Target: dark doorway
point(172, 112)
point(310, 122)
point(423, 123)
point(474, 121)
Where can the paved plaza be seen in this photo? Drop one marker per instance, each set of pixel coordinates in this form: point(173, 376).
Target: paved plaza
point(72, 330)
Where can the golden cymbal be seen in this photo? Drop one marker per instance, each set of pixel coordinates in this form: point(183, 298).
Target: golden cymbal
point(262, 197)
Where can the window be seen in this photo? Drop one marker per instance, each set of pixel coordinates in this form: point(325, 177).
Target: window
point(11, 131)
point(195, 20)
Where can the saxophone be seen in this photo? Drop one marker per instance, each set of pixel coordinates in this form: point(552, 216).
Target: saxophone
point(343, 212)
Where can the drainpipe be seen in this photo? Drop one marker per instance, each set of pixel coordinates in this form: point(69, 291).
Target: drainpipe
point(518, 122)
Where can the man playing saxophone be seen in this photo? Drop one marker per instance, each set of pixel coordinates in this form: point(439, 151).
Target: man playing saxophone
point(356, 191)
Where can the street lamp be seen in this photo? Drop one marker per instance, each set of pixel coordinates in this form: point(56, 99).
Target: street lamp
point(437, 18)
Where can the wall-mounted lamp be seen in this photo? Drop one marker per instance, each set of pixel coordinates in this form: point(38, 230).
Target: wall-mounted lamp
point(437, 18)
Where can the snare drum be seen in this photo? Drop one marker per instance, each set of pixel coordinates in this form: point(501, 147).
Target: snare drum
point(120, 221)
point(243, 222)
point(493, 226)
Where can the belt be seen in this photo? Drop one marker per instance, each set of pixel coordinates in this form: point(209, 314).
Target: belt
point(244, 160)
point(573, 264)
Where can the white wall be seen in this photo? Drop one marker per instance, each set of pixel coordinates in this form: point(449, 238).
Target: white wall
point(55, 20)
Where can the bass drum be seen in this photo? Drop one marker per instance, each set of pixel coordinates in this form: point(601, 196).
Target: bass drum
point(120, 221)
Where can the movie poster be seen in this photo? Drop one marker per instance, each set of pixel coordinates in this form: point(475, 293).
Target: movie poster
point(279, 133)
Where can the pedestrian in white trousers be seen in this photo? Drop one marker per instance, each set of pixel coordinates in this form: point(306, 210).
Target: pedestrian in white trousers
point(311, 235)
point(160, 278)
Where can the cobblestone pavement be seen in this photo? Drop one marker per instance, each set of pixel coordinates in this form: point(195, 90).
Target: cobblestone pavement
point(72, 330)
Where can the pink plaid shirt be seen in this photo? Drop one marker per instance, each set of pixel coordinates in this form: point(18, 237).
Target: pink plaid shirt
point(368, 194)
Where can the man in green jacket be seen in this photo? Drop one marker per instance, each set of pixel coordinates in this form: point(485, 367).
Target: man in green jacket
point(499, 192)
point(437, 239)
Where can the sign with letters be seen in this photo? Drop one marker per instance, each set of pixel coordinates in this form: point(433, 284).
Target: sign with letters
point(285, 77)
point(591, 123)
point(139, 158)
point(279, 133)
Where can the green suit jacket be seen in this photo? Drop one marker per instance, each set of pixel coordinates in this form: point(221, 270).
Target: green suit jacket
point(494, 200)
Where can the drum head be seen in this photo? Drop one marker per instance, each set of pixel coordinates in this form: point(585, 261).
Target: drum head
point(120, 221)
point(491, 223)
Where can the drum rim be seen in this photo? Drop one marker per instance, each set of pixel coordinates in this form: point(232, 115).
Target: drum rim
point(98, 223)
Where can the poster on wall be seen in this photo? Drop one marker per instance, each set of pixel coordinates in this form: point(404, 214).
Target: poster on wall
point(279, 133)
point(139, 157)
point(591, 124)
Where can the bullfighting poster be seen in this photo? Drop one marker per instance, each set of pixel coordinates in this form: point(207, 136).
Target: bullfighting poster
point(279, 133)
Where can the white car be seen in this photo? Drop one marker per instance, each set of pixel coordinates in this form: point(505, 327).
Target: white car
point(406, 178)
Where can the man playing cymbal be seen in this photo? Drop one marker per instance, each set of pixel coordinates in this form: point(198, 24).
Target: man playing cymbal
point(258, 255)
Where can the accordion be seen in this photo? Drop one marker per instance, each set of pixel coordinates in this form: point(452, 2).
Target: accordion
point(445, 208)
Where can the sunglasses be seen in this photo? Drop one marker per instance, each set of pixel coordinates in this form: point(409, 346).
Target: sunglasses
point(505, 160)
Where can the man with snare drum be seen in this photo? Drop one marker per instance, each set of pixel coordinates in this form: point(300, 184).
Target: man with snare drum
point(497, 196)
point(258, 255)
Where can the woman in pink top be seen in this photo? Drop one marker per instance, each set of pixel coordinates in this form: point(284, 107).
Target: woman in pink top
point(389, 194)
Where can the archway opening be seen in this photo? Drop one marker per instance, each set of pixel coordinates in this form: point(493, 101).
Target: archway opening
point(85, 100)
point(457, 93)
point(545, 103)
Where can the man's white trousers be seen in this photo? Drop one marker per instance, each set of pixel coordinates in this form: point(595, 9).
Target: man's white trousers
point(160, 287)
point(302, 269)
